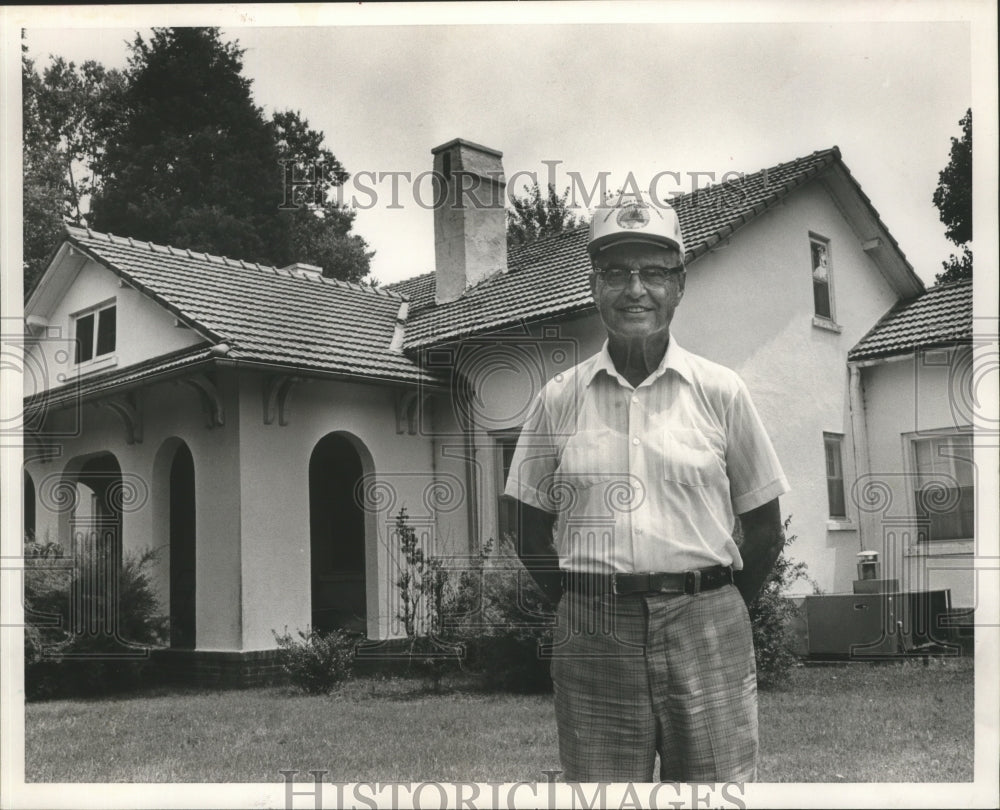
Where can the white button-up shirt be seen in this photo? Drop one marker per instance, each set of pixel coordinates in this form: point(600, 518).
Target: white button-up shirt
point(647, 478)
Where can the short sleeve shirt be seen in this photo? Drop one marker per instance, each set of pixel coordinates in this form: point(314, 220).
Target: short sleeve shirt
point(647, 478)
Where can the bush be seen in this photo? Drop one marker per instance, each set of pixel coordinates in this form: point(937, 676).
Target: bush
point(316, 662)
point(771, 614)
point(501, 617)
point(109, 653)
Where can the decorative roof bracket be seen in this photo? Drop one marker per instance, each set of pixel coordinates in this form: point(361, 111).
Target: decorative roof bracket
point(275, 393)
point(126, 407)
point(210, 399)
point(408, 408)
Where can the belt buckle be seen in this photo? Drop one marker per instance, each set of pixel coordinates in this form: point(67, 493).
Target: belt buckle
point(692, 582)
point(614, 584)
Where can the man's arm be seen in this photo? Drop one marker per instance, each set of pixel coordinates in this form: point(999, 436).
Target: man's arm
point(763, 539)
point(537, 550)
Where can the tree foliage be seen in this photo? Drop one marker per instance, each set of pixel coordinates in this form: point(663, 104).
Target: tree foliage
point(953, 199)
point(174, 150)
point(956, 268)
point(191, 163)
point(535, 215)
point(69, 114)
point(44, 184)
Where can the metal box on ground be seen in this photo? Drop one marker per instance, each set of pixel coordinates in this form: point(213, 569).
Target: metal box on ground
point(847, 625)
point(878, 625)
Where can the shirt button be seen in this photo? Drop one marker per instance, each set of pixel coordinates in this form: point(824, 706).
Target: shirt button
point(635, 440)
point(638, 531)
point(635, 399)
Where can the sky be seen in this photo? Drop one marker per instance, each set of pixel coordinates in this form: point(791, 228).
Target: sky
point(586, 98)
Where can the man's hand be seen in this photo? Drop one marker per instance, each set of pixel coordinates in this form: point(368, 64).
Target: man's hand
point(538, 552)
point(763, 540)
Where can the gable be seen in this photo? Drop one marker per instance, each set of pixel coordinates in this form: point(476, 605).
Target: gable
point(750, 303)
point(265, 316)
point(68, 307)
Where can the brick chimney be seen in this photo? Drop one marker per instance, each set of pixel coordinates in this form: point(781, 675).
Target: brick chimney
point(470, 228)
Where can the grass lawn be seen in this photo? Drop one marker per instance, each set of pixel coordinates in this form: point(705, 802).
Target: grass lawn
point(862, 723)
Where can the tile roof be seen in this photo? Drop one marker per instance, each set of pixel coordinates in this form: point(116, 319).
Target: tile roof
point(940, 316)
point(549, 277)
point(81, 388)
point(273, 316)
point(265, 314)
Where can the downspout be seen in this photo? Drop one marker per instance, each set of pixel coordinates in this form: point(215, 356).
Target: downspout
point(471, 467)
point(859, 443)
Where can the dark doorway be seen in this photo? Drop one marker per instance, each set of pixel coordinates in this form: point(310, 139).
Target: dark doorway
point(337, 536)
point(29, 508)
point(182, 550)
point(96, 527)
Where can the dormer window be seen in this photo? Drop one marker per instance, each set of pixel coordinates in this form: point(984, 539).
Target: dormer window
point(96, 332)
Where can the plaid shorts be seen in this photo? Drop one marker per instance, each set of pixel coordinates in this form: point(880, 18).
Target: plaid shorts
point(656, 673)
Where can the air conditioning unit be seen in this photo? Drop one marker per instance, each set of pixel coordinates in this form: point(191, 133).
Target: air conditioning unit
point(875, 625)
point(849, 625)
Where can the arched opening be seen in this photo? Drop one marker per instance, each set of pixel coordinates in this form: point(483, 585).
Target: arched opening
point(96, 545)
point(337, 536)
point(182, 549)
point(29, 507)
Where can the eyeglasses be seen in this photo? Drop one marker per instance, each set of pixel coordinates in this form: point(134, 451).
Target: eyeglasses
point(651, 277)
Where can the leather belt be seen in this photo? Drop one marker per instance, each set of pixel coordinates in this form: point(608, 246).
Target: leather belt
point(621, 584)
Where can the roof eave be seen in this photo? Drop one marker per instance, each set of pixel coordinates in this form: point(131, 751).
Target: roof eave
point(69, 393)
point(424, 379)
point(495, 326)
point(880, 358)
point(200, 329)
point(877, 241)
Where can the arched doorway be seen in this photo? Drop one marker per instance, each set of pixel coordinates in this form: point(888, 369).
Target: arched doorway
point(28, 514)
point(337, 536)
point(182, 550)
point(96, 546)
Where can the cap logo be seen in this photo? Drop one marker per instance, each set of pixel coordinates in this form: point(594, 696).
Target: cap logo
point(633, 215)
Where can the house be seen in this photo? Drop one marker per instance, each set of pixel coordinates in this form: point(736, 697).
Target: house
point(262, 427)
point(917, 496)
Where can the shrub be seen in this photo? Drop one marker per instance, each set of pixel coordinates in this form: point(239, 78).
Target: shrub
point(771, 614)
point(110, 652)
point(316, 662)
point(501, 617)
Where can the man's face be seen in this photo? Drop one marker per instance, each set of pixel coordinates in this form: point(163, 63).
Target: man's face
point(636, 310)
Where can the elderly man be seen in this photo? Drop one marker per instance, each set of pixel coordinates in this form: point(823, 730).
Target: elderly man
point(630, 472)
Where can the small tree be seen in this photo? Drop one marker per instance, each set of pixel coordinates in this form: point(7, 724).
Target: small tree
point(536, 215)
point(422, 583)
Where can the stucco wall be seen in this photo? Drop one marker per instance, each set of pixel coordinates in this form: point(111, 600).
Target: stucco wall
point(274, 492)
point(912, 398)
point(144, 329)
point(170, 412)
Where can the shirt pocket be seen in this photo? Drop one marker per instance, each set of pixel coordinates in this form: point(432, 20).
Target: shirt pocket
point(688, 458)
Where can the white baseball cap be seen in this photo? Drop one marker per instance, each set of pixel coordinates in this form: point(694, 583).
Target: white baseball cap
point(630, 219)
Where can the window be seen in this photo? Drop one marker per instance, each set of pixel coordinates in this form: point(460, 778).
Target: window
point(507, 508)
point(944, 491)
point(834, 445)
point(96, 333)
point(822, 299)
